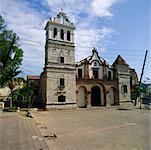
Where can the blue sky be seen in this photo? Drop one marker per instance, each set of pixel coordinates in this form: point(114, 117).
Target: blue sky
point(113, 26)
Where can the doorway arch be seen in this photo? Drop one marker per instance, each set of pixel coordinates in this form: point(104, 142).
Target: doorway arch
point(95, 96)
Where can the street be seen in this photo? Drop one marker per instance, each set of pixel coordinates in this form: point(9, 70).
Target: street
point(19, 133)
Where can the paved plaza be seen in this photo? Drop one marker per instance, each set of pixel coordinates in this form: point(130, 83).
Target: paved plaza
point(96, 129)
point(77, 129)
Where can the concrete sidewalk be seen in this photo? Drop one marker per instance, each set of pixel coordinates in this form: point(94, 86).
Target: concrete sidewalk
point(19, 133)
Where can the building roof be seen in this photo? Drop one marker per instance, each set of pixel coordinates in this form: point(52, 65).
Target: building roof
point(120, 61)
point(89, 58)
point(33, 77)
point(60, 19)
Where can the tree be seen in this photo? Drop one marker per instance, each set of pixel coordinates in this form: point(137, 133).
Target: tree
point(23, 95)
point(10, 63)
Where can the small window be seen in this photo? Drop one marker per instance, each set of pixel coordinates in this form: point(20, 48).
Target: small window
point(95, 63)
point(95, 74)
point(61, 59)
point(61, 98)
point(61, 81)
point(109, 75)
point(79, 73)
point(68, 35)
point(125, 88)
point(62, 34)
point(55, 33)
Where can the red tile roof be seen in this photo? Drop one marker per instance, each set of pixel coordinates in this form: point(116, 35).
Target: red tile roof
point(33, 77)
point(120, 61)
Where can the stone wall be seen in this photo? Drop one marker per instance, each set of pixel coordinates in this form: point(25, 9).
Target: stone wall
point(53, 90)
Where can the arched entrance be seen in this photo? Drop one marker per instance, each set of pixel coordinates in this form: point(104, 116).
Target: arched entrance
point(81, 97)
point(95, 96)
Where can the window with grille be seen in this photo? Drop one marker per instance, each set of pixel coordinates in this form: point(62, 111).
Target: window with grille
point(62, 34)
point(61, 59)
point(109, 75)
point(55, 32)
point(125, 88)
point(61, 98)
point(79, 73)
point(95, 74)
point(62, 80)
point(68, 35)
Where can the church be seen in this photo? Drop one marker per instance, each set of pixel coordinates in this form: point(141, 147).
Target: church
point(87, 83)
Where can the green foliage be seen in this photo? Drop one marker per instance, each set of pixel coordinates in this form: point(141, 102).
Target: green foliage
point(9, 109)
point(23, 95)
point(140, 90)
point(8, 44)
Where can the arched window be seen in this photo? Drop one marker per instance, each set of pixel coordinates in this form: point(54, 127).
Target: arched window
point(68, 35)
point(61, 98)
point(62, 34)
point(55, 32)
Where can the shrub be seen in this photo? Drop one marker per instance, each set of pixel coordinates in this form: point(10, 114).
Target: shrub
point(10, 109)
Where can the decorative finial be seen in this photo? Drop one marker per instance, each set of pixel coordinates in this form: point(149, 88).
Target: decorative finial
point(94, 50)
point(61, 9)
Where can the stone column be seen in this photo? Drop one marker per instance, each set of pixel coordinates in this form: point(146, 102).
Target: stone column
point(104, 71)
point(58, 34)
point(65, 35)
point(86, 70)
point(72, 37)
point(50, 33)
point(88, 99)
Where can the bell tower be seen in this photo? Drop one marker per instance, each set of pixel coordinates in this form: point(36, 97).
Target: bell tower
point(59, 71)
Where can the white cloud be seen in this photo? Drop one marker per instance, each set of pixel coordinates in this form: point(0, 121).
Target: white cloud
point(87, 35)
point(101, 8)
point(29, 23)
point(86, 39)
point(71, 7)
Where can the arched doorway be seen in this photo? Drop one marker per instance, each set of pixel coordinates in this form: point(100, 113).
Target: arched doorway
point(95, 96)
point(81, 97)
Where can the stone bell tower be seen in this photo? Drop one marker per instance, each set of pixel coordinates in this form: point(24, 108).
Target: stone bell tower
point(58, 78)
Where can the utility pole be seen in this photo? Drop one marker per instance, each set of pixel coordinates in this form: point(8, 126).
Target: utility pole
point(139, 86)
point(143, 68)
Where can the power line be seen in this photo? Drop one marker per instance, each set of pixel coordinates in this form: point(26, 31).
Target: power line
point(28, 70)
point(84, 46)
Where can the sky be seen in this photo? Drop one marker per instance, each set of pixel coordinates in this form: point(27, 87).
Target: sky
point(113, 27)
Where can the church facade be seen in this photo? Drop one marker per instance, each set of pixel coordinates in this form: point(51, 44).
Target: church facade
point(90, 82)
